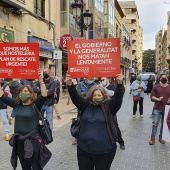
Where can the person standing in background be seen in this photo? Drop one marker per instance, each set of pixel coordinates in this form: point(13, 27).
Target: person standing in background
point(48, 106)
point(132, 79)
point(3, 109)
point(57, 97)
point(138, 87)
point(161, 96)
point(149, 84)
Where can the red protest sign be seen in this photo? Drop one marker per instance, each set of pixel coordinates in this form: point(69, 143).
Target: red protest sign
point(94, 58)
point(19, 60)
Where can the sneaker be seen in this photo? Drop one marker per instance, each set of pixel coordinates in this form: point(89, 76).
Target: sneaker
point(141, 116)
point(7, 137)
point(133, 116)
point(122, 146)
point(150, 116)
point(58, 117)
point(10, 121)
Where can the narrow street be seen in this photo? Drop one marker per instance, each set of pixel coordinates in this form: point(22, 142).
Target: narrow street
point(136, 132)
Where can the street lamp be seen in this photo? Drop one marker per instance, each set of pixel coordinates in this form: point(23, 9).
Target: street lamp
point(82, 19)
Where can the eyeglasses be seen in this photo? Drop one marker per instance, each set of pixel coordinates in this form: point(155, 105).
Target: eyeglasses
point(103, 80)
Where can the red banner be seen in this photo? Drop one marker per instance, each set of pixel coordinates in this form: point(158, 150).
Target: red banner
point(94, 58)
point(19, 60)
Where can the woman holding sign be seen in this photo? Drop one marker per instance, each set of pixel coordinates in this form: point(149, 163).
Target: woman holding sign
point(26, 141)
point(97, 138)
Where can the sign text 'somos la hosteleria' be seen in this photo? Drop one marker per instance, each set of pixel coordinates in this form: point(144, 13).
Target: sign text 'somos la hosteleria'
point(19, 60)
point(94, 58)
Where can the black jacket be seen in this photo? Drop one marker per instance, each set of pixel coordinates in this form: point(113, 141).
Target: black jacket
point(3, 86)
point(110, 107)
point(14, 87)
point(44, 156)
point(50, 85)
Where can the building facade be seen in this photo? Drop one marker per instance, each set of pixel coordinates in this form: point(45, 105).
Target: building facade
point(132, 21)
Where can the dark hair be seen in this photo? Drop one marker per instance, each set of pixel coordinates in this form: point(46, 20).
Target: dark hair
point(30, 89)
point(93, 89)
point(163, 75)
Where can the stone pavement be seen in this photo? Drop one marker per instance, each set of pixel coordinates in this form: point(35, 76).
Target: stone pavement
point(136, 132)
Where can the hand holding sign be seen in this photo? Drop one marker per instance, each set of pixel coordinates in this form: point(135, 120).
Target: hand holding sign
point(119, 78)
point(69, 80)
point(40, 74)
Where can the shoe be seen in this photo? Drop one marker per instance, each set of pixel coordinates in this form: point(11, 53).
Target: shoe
point(10, 121)
point(152, 140)
point(75, 142)
point(7, 137)
point(161, 140)
point(122, 146)
point(133, 116)
point(150, 116)
point(58, 117)
point(141, 116)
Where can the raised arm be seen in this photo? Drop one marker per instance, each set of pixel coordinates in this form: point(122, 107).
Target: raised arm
point(78, 101)
point(116, 101)
point(42, 84)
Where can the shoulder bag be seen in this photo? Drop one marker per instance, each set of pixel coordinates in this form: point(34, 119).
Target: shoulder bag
point(75, 127)
point(137, 97)
point(44, 127)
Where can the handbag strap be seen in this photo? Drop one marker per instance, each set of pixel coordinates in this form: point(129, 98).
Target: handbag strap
point(37, 111)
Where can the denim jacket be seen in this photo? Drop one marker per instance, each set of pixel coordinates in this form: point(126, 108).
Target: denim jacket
point(134, 87)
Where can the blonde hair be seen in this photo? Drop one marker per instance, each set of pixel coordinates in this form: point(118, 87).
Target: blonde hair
point(93, 89)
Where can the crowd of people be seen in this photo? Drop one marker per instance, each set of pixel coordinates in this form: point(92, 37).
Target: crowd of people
point(97, 100)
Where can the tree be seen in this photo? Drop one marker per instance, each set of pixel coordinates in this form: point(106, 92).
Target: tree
point(148, 61)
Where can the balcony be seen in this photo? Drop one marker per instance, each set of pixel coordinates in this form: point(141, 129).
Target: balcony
point(125, 61)
point(19, 4)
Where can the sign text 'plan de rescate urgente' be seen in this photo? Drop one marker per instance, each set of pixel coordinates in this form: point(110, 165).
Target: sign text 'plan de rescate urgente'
point(94, 58)
point(19, 60)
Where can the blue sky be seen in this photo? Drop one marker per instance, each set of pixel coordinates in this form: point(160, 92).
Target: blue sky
point(152, 16)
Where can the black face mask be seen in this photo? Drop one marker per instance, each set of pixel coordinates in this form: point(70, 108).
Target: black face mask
point(45, 75)
point(163, 80)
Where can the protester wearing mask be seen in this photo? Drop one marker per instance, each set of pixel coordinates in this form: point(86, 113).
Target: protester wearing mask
point(26, 140)
point(3, 109)
point(97, 136)
point(110, 89)
point(48, 106)
point(161, 96)
point(82, 88)
point(138, 87)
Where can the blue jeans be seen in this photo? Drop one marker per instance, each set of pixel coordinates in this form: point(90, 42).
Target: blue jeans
point(49, 114)
point(12, 114)
point(157, 116)
point(3, 116)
